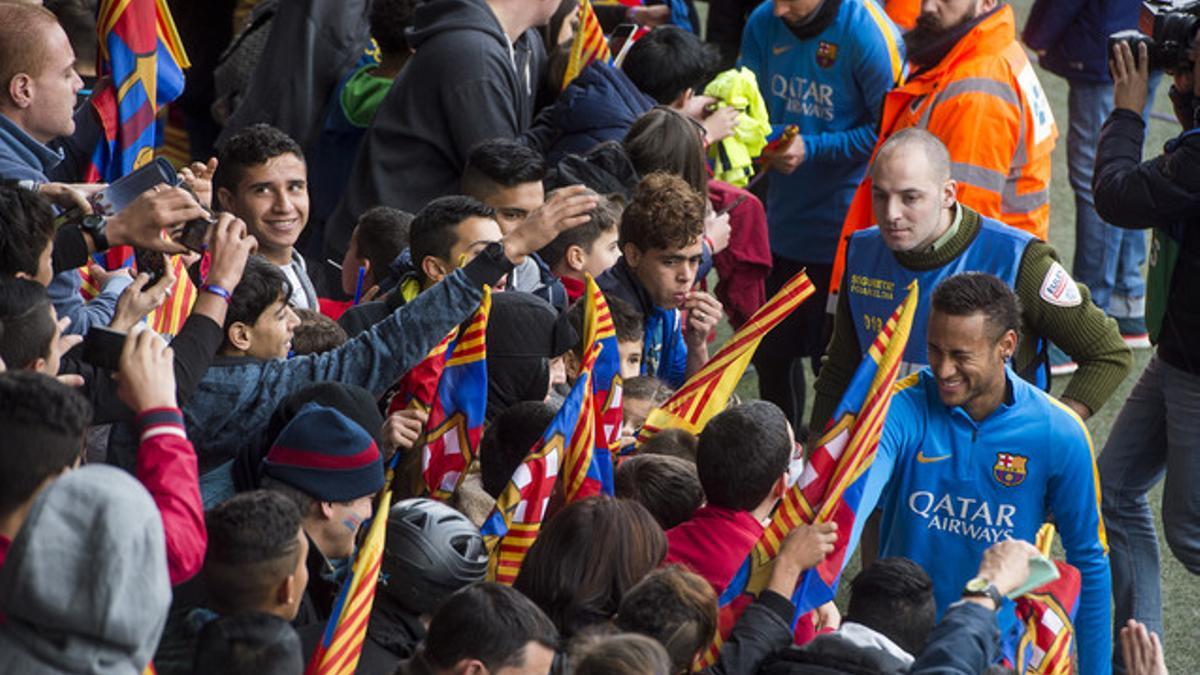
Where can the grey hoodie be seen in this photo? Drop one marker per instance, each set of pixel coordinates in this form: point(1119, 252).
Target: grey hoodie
point(464, 84)
point(84, 587)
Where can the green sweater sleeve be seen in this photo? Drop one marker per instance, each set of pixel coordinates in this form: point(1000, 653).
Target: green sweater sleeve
point(837, 366)
point(1079, 328)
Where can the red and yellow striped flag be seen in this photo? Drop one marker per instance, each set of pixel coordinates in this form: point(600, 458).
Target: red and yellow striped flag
point(341, 645)
point(169, 317)
point(589, 44)
point(579, 469)
point(707, 392)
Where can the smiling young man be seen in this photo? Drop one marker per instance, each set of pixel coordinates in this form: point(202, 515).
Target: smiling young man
point(971, 454)
point(661, 237)
point(233, 403)
point(925, 233)
point(262, 178)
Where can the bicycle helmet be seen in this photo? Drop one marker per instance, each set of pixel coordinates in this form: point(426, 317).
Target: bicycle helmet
point(432, 550)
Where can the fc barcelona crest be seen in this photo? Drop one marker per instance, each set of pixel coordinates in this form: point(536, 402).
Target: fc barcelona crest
point(826, 54)
point(1009, 470)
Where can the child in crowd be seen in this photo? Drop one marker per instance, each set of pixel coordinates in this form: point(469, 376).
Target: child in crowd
point(376, 243)
point(316, 333)
point(640, 395)
point(661, 236)
point(591, 248)
point(627, 324)
point(667, 486)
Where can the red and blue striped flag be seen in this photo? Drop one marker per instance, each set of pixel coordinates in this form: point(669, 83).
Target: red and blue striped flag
point(141, 50)
point(831, 486)
point(418, 387)
point(515, 522)
point(456, 418)
point(581, 468)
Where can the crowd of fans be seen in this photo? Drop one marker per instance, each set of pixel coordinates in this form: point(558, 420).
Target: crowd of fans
point(191, 499)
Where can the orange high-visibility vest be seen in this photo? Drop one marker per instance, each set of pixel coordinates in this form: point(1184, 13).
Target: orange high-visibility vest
point(903, 12)
point(984, 101)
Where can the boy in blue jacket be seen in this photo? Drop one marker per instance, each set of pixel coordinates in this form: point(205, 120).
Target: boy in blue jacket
point(661, 238)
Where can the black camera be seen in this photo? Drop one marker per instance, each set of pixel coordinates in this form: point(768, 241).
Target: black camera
point(1166, 27)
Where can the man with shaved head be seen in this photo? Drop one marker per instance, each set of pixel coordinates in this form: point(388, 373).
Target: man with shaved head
point(923, 233)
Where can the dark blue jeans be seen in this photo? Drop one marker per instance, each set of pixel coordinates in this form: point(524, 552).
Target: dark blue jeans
point(1108, 259)
point(1156, 435)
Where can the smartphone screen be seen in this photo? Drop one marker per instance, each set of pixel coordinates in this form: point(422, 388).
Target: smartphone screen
point(102, 347)
point(121, 192)
point(194, 233)
point(150, 263)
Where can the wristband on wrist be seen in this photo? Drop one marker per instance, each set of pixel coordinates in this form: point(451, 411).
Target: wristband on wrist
point(218, 291)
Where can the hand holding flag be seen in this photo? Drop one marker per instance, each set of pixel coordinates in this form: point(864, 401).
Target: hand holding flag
point(456, 418)
point(831, 486)
point(589, 43)
point(707, 392)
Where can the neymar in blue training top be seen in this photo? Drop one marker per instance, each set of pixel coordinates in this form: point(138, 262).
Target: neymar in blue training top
point(971, 454)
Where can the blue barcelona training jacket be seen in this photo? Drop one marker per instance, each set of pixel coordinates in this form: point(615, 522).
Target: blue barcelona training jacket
point(831, 86)
point(950, 487)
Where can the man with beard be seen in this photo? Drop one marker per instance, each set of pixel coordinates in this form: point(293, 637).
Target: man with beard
point(824, 66)
point(972, 86)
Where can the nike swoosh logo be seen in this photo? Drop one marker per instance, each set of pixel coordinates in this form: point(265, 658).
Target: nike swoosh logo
point(779, 50)
point(930, 460)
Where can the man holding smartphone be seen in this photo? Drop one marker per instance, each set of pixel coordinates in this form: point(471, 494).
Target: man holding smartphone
point(39, 81)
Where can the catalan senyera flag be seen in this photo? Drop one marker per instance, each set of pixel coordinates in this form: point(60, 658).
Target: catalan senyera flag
point(166, 319)
point(581, 470)
point(341, 644)
point(607, 386)
point(831, 486)
point(589, 44)
point(515, 522)
point(456, 418)
point(707, 391)
point(1043, 639)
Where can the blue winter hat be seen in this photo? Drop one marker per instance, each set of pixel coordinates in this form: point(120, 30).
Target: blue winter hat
point(326, 455)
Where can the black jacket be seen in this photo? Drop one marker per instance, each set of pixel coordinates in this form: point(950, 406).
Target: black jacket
point(462, 86)
point(765, 627)
point(392, 636)
point(1162, 193)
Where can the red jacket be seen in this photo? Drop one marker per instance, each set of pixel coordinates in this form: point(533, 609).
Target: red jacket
point(742, 268)
point(714, 544)
point(166, 466)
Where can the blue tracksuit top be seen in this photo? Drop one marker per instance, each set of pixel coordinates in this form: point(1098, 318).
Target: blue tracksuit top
point(950, 487)
point(831, 87)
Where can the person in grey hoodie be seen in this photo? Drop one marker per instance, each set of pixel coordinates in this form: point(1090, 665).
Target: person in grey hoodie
point(85, 587)
point(473, 78)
